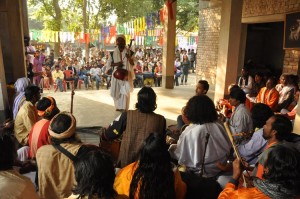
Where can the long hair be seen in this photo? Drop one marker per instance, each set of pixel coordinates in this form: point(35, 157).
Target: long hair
point(154, 177)
point(200, 110)
point(283, 167)
point(95, 174)
point(146, 100)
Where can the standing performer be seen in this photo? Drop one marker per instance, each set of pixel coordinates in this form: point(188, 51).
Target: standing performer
point(121, 58)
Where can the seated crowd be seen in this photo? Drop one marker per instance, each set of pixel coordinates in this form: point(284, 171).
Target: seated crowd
point(256, 157)
point(71, 69)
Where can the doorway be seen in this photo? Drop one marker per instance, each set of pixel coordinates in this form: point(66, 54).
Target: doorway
point(264, 47)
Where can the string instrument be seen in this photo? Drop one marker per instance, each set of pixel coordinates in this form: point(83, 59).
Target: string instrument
point(121, 73)
point(237, 153)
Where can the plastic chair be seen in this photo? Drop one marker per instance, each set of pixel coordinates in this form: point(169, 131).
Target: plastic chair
point(69, 77)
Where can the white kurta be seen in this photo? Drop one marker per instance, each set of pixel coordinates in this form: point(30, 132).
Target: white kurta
point(120, 90)
point(191, 144)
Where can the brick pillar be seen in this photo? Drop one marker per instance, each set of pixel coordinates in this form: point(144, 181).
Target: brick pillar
point(208, 42)
point(291, 61)
point(229, 46)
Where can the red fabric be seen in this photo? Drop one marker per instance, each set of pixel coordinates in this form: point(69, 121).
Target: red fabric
point(248, 104)
point(86, 38)
point(112, 31)
point(38, 136)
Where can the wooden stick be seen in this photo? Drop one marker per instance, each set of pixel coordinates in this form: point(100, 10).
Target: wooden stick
point(238, 155)
point(72, 99)
point(228, 131)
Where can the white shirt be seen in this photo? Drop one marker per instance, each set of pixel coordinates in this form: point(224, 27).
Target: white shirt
point(95, 71)
point(191, 144)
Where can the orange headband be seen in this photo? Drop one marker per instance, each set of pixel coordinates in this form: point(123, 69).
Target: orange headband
point(48, 110)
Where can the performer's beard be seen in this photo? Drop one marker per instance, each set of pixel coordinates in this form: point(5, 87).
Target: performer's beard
point(121, 46)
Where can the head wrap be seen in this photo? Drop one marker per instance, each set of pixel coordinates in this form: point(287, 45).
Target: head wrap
point(48, 110)
point(69, 132)
point(20, 86)
point(121, 36)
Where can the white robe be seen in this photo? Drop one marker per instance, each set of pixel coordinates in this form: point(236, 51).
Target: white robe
point(120, 90)
point(191, 144)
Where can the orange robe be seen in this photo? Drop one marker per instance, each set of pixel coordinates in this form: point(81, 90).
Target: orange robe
point(124, 177)
point(242, 193)
point(269, 97)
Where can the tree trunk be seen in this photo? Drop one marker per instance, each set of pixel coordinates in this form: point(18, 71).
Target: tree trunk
point(58, 17)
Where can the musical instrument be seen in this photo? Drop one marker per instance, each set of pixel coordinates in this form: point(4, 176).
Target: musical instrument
point(72, 99)
point(237, 153)
point(121, 73)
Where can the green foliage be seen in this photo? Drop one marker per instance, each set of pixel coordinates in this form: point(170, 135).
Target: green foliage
point(187, 15)
point(67, 15)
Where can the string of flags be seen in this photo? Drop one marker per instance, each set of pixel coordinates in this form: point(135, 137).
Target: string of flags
point(146, 30)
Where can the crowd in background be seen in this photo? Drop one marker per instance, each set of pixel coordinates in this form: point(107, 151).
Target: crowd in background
point(148, 67)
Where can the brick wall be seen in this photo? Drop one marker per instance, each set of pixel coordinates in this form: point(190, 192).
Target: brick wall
point(254, 8)
point(208, 41)
point(209, 29)
point(291, 61)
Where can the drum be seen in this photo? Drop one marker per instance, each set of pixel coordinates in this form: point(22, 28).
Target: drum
point(120, 74)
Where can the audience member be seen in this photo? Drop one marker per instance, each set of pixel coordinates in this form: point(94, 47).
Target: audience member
point(240, 121)
point(292, 109)
point(257, 84)
point(185, 64)
point(202, 88)
point(250, 150)
point(138, 124)
point(204, 134)
point(268, 95)
point(20, 86)
point(12, 184)
point(94, 174)
point(58, 78)
point(39, 134)
point(58, 157)
point(277, 129)
point(153, 175)
point(286, 92)
point(27, 115)
point(280, 177)
point(245, 82)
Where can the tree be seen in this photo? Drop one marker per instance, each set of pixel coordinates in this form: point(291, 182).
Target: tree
point(50, 12)
point(83, 15)
point(188, 15)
